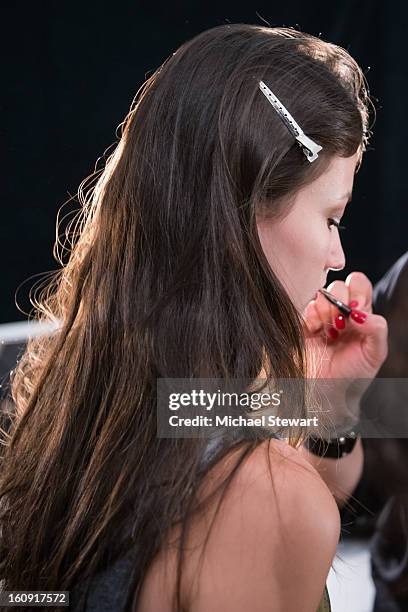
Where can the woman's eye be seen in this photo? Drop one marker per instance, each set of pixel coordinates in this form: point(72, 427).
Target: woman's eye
point(336, 223)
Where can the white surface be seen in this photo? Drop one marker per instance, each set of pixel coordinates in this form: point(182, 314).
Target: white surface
point(17, 332)
point(350, 586)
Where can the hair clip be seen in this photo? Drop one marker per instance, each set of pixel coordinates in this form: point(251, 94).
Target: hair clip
point(308, 146)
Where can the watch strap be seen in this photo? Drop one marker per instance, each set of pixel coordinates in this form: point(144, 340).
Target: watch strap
point(335, 448)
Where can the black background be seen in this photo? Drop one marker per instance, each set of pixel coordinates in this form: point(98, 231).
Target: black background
point(69, 74)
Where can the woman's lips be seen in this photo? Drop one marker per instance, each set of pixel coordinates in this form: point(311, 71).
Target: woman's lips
point(316, 295)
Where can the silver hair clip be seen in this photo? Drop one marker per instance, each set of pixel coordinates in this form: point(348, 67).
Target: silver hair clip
point(308, 146)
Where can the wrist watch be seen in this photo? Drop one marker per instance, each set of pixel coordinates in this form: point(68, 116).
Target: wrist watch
point(336, 448)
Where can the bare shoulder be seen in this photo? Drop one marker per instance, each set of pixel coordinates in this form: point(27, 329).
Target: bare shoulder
point(278, 486)
point(293, 489)
point(271, 543)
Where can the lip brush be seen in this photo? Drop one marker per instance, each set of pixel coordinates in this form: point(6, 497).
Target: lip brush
point(346, 310)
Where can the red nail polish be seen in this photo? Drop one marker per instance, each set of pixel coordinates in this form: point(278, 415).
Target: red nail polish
point(353, 304)
point(340, 321)
point(358, 316)
point(333, 333)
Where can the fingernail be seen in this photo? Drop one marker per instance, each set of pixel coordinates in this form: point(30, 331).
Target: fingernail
point(353, 304)
point(333, 333)
point(358, 316)
point(340, 321)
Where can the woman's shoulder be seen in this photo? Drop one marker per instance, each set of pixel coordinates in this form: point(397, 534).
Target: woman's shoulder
point(277, 477)
point(272, 540)
point(277, 472)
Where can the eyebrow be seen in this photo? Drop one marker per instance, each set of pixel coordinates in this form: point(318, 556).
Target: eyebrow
point(337, 206)
point(347, 196)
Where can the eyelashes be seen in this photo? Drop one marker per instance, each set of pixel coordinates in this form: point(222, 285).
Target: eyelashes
point(336, 223)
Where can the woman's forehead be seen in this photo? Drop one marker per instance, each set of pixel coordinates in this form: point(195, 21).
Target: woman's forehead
point(336, 183)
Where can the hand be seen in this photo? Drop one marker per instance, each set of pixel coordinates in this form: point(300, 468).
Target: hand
point(356, 351)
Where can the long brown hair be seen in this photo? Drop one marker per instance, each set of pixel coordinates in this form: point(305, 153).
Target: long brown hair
point(165, 278)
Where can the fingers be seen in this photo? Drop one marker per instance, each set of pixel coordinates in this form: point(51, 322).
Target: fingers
point(340, 290)
point(312, 319)
point(374, 332)
point(360, 290)
point(370, 330)
point(331, 318)
point(322, 316)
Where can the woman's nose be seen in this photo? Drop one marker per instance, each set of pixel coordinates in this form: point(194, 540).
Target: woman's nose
point(337, 259)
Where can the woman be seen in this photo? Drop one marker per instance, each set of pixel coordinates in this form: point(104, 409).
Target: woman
point(197, 255)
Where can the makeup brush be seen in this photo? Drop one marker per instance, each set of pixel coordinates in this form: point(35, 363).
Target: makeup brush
point(346, 310)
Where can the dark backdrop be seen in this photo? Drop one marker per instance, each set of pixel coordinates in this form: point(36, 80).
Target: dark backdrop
point(70, 71)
